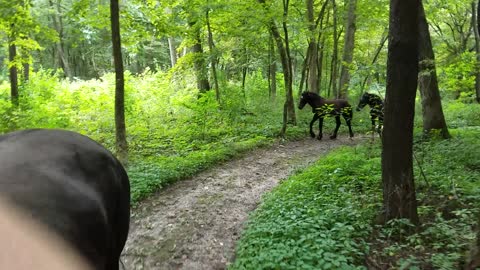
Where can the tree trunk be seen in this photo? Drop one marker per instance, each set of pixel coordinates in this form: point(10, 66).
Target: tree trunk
point(399, 198)
point(476, 31)
point(60, 53)
point(375, 57)
point(333, 73)
point(432, 111)
point(213, 58)
point(26, 72)
point(312, 53)
point(348, 49)
point(321, 51)
point(120, 128)
point(303, 75)
point(199, 61)
point(272, 70)
point(173, 51)
point(284, 51)
point(13, 73)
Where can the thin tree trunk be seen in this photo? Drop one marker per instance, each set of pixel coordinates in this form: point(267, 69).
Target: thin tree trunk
point(348, 49)
point(120, 127)
point(476, 27)
point(304, 75)
point(272, 70)
point(173, 51)
point(213, 58)
point(432, 111)
point(199, 61)
point(289, 89)
point(57, 24)
point(333, 73)
point(284, 51)
point(321, 50)
point(13, 73)
point(375, 57)
point(399, 198)
point(26, 72)
point(312, 53)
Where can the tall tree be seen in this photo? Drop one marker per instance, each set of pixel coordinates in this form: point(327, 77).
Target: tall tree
point(312, 53)
point(199, 59)
point(59, 47)
point(13, 72)
point(476, 31)
point(432, 112)
point(399, 198)
point(333, 67)
point(120, 128)
point(348, 49)
point(213, 57)
point(272, 69)
point(283, 48)
point(173, 51)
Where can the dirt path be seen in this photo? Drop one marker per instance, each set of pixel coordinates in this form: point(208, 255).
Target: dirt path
point(195, 223)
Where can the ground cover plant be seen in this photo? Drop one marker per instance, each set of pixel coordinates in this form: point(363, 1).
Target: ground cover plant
point(172, 133)
point(324, 217)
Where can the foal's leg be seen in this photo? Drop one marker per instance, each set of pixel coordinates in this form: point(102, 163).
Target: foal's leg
point(372, 116)
point(320, 127)
point(348, 119)
point(380, 126)
point(315, 118)
point(337, 120)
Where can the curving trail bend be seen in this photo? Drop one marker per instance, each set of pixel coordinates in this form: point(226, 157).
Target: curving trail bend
point(194, 224)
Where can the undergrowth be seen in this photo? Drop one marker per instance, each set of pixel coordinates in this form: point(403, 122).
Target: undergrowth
point(324, 217)
point(172, 131)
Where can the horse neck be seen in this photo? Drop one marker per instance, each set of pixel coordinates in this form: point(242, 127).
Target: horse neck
point(375, 101)
point(317, 102)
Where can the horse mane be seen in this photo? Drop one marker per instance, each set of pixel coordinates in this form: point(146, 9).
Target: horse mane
point(314, 95)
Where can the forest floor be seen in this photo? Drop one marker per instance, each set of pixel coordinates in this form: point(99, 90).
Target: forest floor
point(195, 223)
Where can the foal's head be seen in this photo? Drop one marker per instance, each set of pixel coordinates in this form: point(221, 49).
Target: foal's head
point(307, 97)
point(364, 100)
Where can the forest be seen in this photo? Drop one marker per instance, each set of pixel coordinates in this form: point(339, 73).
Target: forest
point(175, 88)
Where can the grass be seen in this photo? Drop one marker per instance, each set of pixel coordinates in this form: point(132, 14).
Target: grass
point(324, 217)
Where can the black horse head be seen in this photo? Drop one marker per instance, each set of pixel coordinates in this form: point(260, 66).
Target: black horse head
point(308, 97)
point(364, 100)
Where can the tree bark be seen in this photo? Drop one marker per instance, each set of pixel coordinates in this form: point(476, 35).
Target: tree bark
point(375, 57)
point(213, 58)
point(199, 61)
point(476, 31)
point(173, 51)
point(333, 72)
point(432, 112)
point(284, 51)
point(272, 70)
point(120, 127)
point(312, 53)
point(348, 49)
point(60, 53)
point(13, 73)
point(399, 198)
point(26, 72)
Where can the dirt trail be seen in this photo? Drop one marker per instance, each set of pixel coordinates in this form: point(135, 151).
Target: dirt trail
point(195, 223)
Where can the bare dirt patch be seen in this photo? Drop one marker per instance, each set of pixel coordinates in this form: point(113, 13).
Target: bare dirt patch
point(195, 223)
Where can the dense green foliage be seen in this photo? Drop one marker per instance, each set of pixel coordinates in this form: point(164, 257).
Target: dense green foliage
point(44, 30)
point(172, 133)
point(316, 219)
point(320, 218)
point(323, 217)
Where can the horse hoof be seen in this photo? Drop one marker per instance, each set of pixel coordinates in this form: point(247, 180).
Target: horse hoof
point(333, 137)
point(312, 135)
point(319, 138)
